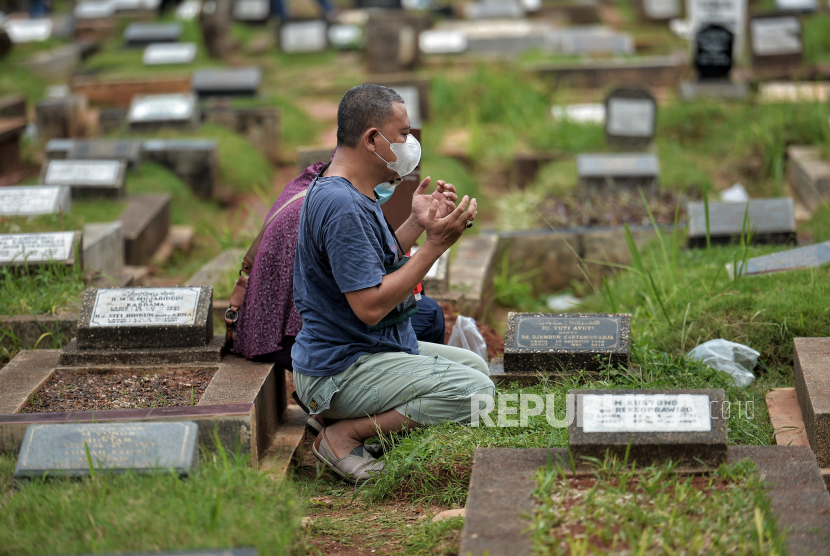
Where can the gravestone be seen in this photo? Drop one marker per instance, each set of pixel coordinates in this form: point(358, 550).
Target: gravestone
point(65, 450)
point(589, 40)
point(713, 52)
point(588, 113)
point(649, 427)
point(101, 149)
point(659, 10)
point(57, 149)
point(28, 30)
point(258, 122)
point(11, 129)
point(812, 383)
point(144, 34)
point(251, 11)
point(33, 200)
point(771, 221)
point(241, 82)
point(137, 7)
point(494, 9)
point(392, 44)
point(154, 112)
point(35, 249)
point(345, 37)
point(104, 249)
point(552, 343)
point(146, 223)
point(728, 13)
point(94, 10)
point(439, 41)
point(61, 118)
point(169, 53)
point(303, 36)
point(800, 6)
point(630, 118)
point(809, 174)
point(88, 178)
point(135, 318)
point(776, 41)
point(598, 171)
point(195, 161)
point(810, 256)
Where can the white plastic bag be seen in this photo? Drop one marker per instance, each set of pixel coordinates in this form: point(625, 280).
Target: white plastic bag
point(465, 335)
point(736, 360)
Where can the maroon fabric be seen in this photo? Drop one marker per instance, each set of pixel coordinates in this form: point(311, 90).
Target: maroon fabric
point(267, 314)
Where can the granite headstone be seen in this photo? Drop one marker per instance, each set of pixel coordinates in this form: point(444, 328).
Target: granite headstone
point(66, 449)
point(768, 220)
point(713, 52)
point(33, 200)
point(36, 249)
point(551, 343)
point(630, 117)
point(88, 178)
point(169, 53)
point(729, 13)
point(649, 426)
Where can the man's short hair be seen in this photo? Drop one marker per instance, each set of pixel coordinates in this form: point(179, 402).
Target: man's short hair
point(363, 107)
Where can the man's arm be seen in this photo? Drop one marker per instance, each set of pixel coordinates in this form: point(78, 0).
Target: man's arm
point(372, 304)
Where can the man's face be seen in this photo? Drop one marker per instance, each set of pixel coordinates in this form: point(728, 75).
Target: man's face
point(395, 129)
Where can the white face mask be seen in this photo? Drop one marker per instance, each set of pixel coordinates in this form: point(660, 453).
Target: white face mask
point(408, 155)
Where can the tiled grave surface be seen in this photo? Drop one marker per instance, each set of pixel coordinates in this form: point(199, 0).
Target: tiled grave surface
point(503, 480)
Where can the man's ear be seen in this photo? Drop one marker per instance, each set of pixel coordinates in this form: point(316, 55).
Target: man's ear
point(368, 140)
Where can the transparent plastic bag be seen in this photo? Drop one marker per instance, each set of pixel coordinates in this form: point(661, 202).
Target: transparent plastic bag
point(736, 360)
point(465, 335)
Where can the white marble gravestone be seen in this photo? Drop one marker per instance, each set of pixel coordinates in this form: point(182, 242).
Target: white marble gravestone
point(345, 36)
point(162, 109)
point(32, 200)
point(36, 248)
point(145, 307)
point(629, 117)
point(28, 30)
point(774, 36)
point(94, 10)
point(304, 36)
point(169, 53)
point(86, 172)
point(645, 413)
point(437, 41)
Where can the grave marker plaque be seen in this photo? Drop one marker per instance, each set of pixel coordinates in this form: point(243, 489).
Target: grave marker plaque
point(145, 34)
point(146, 318)
point(32, 200)
point(169, 53)
point(61, 450)
point(226, 82)
point(728, 13)
point(630, 117)
point(685, 426)
point(810, 256)
point(251, 11)
point(102, 149)
point(88, 178)
point(151, 112)
point(551, 343)
point(776, 41)
point(597, 171)
point(770, 221)
point(441, 41)
point(713, 52)
point(28, 30)
point(34, 249)
point(304, 36)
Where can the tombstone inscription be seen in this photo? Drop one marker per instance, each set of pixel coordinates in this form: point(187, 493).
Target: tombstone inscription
point(776, 41)
point(303, 36)
point(552, 343)
point(35, 249)
point(630, 117)
point(33, 200)
point(65, 449)
point(169, 53)
point(152, 112)
point(649, 426)
point(769, 221)
point(88, 178)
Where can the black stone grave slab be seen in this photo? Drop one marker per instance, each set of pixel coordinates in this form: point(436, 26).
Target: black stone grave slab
point(102, 149)
point(297, 37)
point(713, 52)
point(33, 200)
point(144, 34)
point(88, 178)
point(653, 426)
point(146, 318)
point(630, 118)
point(810, 256)
point(770, 220)
point(240, 82)
point(552, 343)
point(34, 250)
point(65, 449)
point(775, 41)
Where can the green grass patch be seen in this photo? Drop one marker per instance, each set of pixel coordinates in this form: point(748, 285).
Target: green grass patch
point(226, 504)
point(185, 207)
point(45, 289)
point(82, 211)
point(654, 510)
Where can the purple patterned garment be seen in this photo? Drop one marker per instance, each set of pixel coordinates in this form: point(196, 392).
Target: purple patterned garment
point(267, 313)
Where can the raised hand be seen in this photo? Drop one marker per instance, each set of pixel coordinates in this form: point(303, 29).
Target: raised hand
point(445, 195)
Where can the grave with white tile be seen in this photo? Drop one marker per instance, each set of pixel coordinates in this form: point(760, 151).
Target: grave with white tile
point(88, 178)
point(239, 82)
point(34, 250)
point(769, 221)
point(630, 118)
point(144, 34)
point(35, 200)
point(297, 37)
point(776, 42)
point(159, 54)
point(154, 112)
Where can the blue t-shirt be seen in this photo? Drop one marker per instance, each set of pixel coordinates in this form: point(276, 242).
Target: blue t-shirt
point(343, 246)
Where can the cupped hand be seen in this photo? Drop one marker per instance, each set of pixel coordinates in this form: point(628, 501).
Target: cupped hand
point(442, 233)
point(445, 195)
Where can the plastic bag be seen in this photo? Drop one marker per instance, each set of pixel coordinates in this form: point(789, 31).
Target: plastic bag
point(465, 335)
point(736, 360)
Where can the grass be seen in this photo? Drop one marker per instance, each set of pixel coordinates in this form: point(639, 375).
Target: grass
point(46, 289)
point(81, 212)
point(226, 504)
point(654, 511)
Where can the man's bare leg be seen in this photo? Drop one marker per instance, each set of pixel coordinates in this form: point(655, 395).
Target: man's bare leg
point(347, 434)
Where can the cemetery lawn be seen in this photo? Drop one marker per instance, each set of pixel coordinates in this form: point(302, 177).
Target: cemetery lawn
point(47, 289)
point(652, 510)
point(225, 504)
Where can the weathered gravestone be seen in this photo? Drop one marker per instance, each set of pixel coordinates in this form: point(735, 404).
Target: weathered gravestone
point(494, 9)
point(169, 53)
point(630, 117)
point(104, 249)
point(303, 36)
point(768, 221)
point(35, 249)
point(145, 326)
point(259, 123)
point(144, 34)
point(658, 10)
point(65, 450)
point(195, 161)
point(649, 427)
point(57, 149)
point(550, 343)
point(100, 149)
point(153, 112)
point(809, 174)
point(810, 256)
point(589, 40)
point(251, 11)
point(240, 82)
point(812, 385)
point(146, 223)
point(345, 37)
point(598, 171)
point(728, 13)
point(776, 41)
point(88, 178)
point(94, 10)
point(61, 118)
point(392, 41)
point(32, 200)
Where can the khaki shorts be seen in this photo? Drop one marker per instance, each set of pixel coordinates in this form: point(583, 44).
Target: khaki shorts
point(429, 388)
